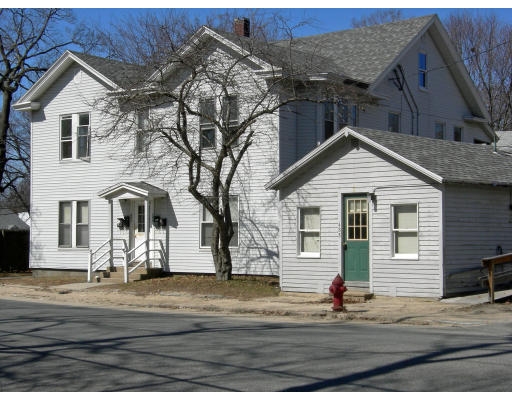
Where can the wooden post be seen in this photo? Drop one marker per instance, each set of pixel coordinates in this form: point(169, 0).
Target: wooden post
point(490, 263)
point(490, 267)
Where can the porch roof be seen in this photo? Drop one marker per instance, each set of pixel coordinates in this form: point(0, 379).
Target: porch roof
point(132, 190)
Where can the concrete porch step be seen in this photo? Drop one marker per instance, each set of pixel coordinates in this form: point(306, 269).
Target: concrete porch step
point(116, 274)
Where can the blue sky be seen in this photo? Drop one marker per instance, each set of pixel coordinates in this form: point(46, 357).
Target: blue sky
point(327, 18)
point(323, 19)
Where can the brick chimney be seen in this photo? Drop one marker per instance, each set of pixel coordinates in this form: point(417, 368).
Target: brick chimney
point(242, 27)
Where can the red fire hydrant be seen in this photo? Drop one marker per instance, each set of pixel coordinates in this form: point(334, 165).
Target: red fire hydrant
point(337, 289)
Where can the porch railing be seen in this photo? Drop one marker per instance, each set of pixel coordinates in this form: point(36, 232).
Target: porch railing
point(143, 254)
point(105, 254)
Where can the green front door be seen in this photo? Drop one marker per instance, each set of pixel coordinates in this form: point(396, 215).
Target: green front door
point(355, 240)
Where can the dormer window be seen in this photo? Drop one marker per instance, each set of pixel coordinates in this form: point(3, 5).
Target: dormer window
point(422, 70)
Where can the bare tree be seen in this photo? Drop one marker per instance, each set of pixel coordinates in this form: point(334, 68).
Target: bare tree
point(208, 107)
point(17, 171)
point(381, 16)
point(30, 40)
point(485, 45)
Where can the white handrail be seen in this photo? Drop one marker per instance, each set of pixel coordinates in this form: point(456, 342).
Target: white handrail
point(93, 264)
point(158, 250)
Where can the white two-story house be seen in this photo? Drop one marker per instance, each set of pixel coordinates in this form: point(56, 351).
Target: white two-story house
point(90, 195)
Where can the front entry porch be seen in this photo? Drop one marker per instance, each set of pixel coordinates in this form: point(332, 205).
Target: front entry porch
point(138, 247)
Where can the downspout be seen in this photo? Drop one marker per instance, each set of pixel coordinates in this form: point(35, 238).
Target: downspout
point(399, 84)
point(412, 98)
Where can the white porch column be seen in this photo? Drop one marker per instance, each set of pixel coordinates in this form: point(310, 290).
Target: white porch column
point(111, 212)
point(146, 231)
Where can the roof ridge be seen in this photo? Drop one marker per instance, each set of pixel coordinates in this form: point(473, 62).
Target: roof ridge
point(370, 27)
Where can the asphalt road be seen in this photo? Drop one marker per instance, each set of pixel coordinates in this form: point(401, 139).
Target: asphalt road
point(56, 348)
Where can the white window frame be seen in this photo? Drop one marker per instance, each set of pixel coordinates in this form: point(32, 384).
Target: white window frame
point(231, 110)
point(301, 231)
point(441, 125)
point(395, 231)
point(397, 115)
point(422, 71)
point(203, 222)
point(75, 138)
point(141, 135)
point(73, 224)
point(206, 125)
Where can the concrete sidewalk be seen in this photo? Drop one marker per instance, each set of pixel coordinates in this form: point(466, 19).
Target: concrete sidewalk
point(462, 311)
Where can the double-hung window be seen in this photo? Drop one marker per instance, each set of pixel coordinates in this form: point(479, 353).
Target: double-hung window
point(230, 115)
point(457, 133)
point(207, 224)
point(422, 70)
point(309, 232)
point(393, 122)
point(439, 130)
point(73, 224)
point(75, 136)
point(206, 126)
point(338, 115)
point(405, 231)
point(141, 136)
point(328, 120)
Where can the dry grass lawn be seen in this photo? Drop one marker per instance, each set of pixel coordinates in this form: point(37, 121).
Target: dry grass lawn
point(241, 287)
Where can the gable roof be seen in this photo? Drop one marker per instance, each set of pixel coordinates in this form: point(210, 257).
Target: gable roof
point(11, 222)
point(136, 189)
point(363, 54)
point(113, 74)
point(441, 160)
point(118, 72)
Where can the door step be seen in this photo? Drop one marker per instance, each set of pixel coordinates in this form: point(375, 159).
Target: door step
point(116, 274)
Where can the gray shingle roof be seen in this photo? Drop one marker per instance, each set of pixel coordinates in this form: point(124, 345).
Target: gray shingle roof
point(451, 162)
point(363, 53)
point(119, 72)
point(360, 54)
point(455, 162)
point(11, 222)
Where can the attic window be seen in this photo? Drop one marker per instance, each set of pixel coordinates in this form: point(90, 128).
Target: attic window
point(422, 70)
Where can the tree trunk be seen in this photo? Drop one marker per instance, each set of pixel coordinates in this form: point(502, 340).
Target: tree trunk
point(223, 268)
point(221, 253)
point(4, 129)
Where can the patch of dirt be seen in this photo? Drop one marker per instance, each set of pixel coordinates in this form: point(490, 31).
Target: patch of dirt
point(241, 287)
point(29, 280)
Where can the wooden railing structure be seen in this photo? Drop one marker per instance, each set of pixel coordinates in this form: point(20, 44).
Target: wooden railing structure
point(490, 263)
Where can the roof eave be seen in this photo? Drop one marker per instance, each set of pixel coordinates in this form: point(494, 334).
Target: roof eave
point(404, 51)
point(199, 35)
point(277, 182)
point(51, 75)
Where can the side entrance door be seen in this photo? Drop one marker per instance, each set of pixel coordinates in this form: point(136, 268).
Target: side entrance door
point(355, 240)
point(138, 228)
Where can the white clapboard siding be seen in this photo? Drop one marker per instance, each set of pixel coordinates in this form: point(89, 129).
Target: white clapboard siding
point(477, 221)
point(347, 170)
point(442, 101)
point(76, 180)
